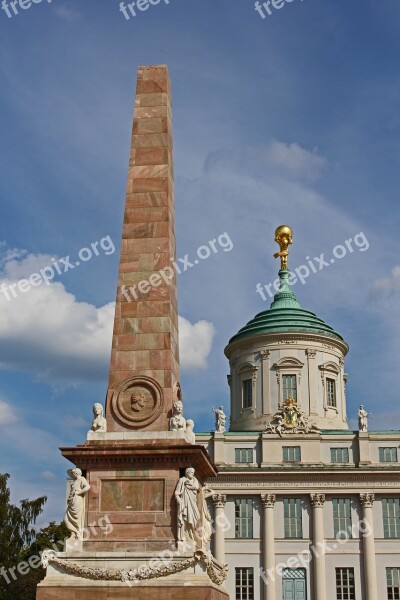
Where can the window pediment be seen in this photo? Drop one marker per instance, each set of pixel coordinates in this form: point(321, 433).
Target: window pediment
point(330, 367)
point(289, 363)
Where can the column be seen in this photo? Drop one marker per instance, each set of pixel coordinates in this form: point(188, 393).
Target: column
point(312, 380)
point(219, 501)
point(371, 588)
point(266, 388)
point(317, 501)
point(268, 542)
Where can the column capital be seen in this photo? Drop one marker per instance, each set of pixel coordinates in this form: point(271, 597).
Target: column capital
point(367, 500)
point(265, 354)
point(311, 353)
point(219, 500)
point(268, 500)
point(317, 500)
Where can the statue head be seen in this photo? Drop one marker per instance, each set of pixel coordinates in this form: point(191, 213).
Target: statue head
point(284, 236)
point(98, 409)
point(75, 473)
point(221, 408)
point(189, 473)
point(178, 408)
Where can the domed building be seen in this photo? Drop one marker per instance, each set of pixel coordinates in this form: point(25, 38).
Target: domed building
point(284, 352)
point(305, 508)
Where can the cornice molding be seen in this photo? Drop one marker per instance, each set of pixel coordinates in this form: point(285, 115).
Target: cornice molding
point(287, 338)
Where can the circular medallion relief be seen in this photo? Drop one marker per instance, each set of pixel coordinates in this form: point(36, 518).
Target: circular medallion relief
point(138, 402)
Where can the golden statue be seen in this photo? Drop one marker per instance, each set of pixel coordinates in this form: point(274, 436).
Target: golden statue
point(283, 237)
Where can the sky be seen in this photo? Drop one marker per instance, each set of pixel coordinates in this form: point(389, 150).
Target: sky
point(291, 118)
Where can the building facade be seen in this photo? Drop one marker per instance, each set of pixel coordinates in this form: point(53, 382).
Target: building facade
point(304, 508)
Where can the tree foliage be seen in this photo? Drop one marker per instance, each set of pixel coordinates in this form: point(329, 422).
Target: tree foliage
point(19, 542)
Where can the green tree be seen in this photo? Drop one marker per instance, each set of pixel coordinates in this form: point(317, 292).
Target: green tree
point(53, 536)
point(19, 541)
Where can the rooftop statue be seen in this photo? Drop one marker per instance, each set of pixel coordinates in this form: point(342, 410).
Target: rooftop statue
point(283, 237)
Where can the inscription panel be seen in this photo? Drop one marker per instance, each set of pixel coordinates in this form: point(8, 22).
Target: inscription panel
point(132, 495)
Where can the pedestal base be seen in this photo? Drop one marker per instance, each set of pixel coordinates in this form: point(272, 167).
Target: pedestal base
point(153, 592)
point(117, 576)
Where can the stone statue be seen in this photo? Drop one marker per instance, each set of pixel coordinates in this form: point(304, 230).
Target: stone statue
point(363, 419)
point(177, 422)
point(73, 518)
point(177, 392)
point(194, 519)
point(99, 423)
point(283, 237)
point(190, 435)
point(220, 419)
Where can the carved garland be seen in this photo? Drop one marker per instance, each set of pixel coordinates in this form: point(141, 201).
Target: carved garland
point(215, 571)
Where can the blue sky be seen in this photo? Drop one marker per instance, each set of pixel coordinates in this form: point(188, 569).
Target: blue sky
point(292, 118)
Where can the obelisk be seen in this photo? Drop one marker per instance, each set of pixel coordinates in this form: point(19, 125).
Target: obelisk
point(145, 339)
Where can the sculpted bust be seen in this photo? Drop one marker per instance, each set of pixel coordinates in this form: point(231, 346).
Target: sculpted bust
point(177, 422)
point(99, 423)
point(138, 401)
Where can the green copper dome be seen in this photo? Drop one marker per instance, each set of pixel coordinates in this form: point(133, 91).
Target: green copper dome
point(285, 315)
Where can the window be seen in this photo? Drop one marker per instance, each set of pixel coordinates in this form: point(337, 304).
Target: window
point(289, 385)
point(331, 392)
point(387, 455)
point(243, 455)
point(244, 580)
point(345, 587)
point(391, 517)
point(243, 518)
point(342, 517)
point(293, 518)
point(247, 393)
point(393, 583)
point(339, 455)
point(291, 454)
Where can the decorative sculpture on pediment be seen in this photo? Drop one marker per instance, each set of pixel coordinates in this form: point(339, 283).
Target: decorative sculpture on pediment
point(290, 419)
point(177, 422)
point(99, 423)
point(220, 419)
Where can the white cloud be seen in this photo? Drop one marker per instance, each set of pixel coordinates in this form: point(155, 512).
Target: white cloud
point(67, 13)
point(296, 160)
point(386, 291)
point(48, 475)
point(48, 331)
point(19, 264)
point(195, 343)
point(7, 414)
